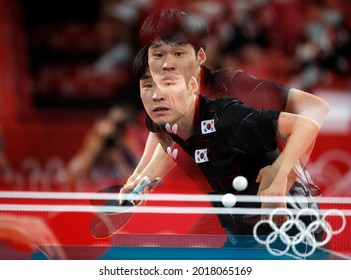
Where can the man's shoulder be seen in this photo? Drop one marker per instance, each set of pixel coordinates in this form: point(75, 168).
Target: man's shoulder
point(236, 83)
point(211, 75)
point(228, 79)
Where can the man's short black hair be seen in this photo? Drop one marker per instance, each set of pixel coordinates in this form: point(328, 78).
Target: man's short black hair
point(140, 63)
point(172, 25)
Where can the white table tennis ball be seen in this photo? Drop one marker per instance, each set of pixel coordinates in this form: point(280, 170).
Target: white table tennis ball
point(228, 200)
point(240, 183)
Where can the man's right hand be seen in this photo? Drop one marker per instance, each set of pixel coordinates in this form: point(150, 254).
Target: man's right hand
point(133, 181)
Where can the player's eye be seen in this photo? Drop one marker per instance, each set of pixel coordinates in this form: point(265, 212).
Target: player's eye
point(148, 85)
point(158, 54)
point(178, 53)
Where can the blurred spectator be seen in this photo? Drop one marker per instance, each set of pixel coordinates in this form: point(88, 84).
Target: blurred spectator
point(235, 25)
point(324, 46)
point(252, 23)
point(108, 150)
point(248, 35)
point(115, 25)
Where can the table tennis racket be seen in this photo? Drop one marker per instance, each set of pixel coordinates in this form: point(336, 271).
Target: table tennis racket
point(104, 224)
point(111, 189)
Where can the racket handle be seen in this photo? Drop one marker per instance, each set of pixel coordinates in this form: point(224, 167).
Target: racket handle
point(142, 185)
point(139, 188)
point(145, 182)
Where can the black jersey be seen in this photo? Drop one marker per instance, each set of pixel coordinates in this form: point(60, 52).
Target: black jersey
point(230, 139)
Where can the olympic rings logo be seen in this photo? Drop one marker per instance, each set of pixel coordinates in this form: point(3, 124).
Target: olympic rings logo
point(305, 233)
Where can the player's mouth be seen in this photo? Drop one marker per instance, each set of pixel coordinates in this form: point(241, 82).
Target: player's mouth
point(160, 109)
point(169, 78)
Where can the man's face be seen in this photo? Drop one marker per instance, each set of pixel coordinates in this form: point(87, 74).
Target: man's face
point(166, 102)
point(168, 61)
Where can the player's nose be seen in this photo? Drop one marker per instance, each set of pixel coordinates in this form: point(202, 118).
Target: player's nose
point(167, 67)
point(168, 64)
point(158, 95)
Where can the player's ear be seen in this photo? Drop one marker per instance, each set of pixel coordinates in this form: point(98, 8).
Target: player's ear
point(193, 85)
point(201, 56)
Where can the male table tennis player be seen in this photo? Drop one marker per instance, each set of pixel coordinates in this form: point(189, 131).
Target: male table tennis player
point(176, 43)
point(226, 138)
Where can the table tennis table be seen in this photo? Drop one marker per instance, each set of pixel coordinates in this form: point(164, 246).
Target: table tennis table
point(177, 247)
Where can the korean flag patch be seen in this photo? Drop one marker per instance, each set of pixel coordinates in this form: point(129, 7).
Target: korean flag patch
point(201, 156)
point(207, 126)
